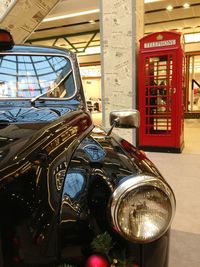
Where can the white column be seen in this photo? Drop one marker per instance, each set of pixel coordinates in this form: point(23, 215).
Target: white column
point(122, 25)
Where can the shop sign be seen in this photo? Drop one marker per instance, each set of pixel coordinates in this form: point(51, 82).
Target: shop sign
point(90, 71)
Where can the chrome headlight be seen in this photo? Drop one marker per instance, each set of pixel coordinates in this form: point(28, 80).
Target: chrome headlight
point(142, 208)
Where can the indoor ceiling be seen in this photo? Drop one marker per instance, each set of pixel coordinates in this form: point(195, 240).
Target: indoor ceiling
point(77, 30)
point(185, 19)
point(74, 24)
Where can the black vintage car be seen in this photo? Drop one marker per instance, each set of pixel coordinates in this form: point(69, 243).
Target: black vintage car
point(71, 194)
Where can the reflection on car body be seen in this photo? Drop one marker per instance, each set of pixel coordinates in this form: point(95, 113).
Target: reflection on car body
point(67, 187)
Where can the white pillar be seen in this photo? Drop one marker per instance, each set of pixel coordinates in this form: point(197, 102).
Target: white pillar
point(122, 25)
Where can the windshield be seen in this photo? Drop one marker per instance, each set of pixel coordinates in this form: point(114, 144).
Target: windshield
point(27, 76)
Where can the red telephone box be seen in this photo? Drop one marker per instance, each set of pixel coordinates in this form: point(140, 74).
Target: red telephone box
point(161, 68)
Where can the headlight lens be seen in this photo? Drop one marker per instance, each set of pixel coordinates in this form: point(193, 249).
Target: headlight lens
point(142, 208)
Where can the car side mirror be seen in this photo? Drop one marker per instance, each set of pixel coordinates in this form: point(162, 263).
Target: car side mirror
point(124, 119)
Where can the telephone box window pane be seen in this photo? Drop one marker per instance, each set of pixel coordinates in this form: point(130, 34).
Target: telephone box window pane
point(158, 71)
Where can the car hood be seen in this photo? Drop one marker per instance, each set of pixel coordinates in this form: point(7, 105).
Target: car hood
point(26, 132)
point(110, 156)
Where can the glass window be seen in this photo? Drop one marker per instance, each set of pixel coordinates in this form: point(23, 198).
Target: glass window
point(27, 76)
point(194, 84)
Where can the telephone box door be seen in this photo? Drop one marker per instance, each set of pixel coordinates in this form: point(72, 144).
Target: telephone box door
point(158, 102)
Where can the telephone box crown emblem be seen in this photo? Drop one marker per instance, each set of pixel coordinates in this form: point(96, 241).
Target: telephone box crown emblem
point(159, 37)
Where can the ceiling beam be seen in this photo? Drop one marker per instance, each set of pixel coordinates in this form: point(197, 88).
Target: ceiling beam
point(65, 26)
point(61, 36)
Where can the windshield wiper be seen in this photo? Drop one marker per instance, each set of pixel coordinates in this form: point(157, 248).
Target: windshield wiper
point(32, 101)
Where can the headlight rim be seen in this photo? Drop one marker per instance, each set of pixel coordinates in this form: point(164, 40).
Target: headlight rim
point(131, 183)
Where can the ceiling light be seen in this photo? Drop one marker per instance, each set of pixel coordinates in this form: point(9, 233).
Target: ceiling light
point(169, 8)
point(186, 5)
point(90, 51)
point(72, 15)
point(150, 1)
point(92, 21)
point(93, 50)
point(192, 37)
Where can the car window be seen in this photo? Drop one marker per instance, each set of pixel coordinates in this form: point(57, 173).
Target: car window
point(27, 76)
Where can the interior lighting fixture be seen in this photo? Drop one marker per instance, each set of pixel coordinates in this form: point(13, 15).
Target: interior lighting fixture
point(186, 5)
point(93, 50)
point(92, 21)
point(192, 37)
point(90, 51)
point(87, 12)
point(150, 1)
point(169, 8)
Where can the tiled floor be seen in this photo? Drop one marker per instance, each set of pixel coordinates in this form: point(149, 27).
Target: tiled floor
point(182, 171)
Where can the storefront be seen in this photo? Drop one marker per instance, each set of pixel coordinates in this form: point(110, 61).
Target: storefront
point(192, 91)
point(91, 78)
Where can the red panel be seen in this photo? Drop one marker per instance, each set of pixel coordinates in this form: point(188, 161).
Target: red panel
point(160, 92)
point(160, 41)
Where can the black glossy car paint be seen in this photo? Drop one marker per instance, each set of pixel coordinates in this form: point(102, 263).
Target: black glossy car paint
point(117, 159)
point(45, 216)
